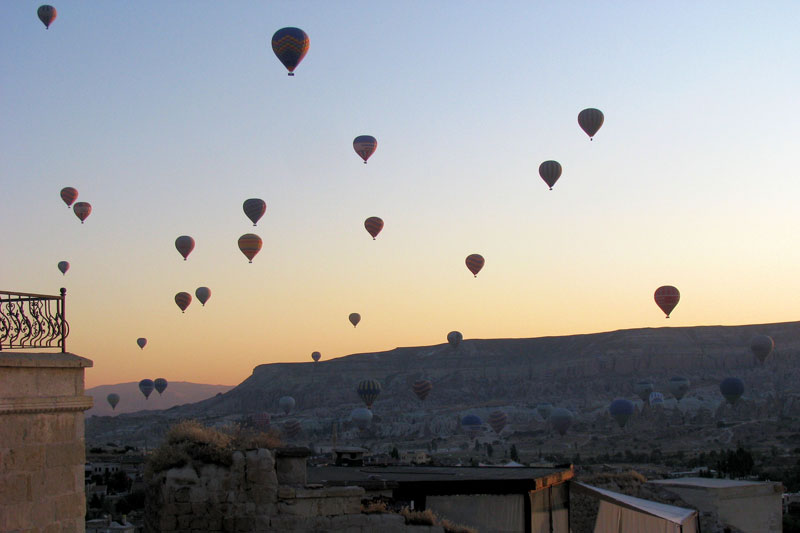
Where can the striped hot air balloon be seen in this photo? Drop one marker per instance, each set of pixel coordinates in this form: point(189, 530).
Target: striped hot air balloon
point(475, 263)
point(292, 428)
point(497, 421)
point(184, 244)
point(667, 297)
point(368, 390)
point(261, 421)
point(47, 14)
point(69, 195)
point(82, 210)
point(250, 244)
point(290, 46)
point(374, 225)
point(590, 121)
point(550, 171)
point(183, 299)
point(422, 388)
point(365, 146)
point(254, 209)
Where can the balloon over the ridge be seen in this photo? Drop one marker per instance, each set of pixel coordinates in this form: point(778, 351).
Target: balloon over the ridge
point(550, 171)
point(82, 210)
point(678, 387)
point(160, 385)
point(762, 346)
point(69, 195)
point(203, 294)
point(354, 319)
point(544, 409)
point(254, 209)
point(643, 389)
point(621, 410)
point(113, 400)
point(182, 300)
point(368, 390)
point(590, 120)
point(63, 266)
point(146, 386)
point(472, 425)
point(286, 403)
point(290, 46)
point(184, 244)
point(475, 263)
point(454, 338)
point(561, 420)
point(732, 389)
point(365, 146)
point(667, 297)
point(250, 244)
point(656, 398)
point(292, 428)
point(316, 356)
point(373, 225)
point(497, 421)
point(142, 342)
point(422, 388)
point(361, 416)
point(47, 14)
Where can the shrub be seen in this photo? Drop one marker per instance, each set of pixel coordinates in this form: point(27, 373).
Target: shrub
point(450, 527)
point(374, 508)
point(419, 518)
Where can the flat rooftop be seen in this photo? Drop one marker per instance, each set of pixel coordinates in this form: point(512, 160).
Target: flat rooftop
point(707, 482)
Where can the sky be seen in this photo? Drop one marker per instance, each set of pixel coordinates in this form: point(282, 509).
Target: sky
point(166, 116)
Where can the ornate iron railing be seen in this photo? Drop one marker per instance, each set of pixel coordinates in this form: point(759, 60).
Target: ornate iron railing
point(33, 321)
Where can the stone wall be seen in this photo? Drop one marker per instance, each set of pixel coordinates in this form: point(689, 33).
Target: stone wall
point(42, 451)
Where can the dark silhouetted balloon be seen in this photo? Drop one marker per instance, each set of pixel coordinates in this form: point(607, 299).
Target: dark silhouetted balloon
point(472, 425)
point(184, 244)
point(113, 400)
point(82, 210)
point(667, 297)
point(561, 419)
point(732, 389)
point(678, 387)
point(550, 171)
point(590, 121)
point(374, 225)
point(454, 338)
point(497, 421)
point(250, 244)
point(316, 356)
point(63, 266)
point(422, 388)
point(643, 389)
point(69, 195)
point(254, 209)
point(290, 46)
point(544, 409)
point(146, 386)
point(203, 294)
point(365, 146)
point(292, 428)
point(47, 14)
point(361, 416)
point(183, 299)
point(621, 410)
point(160, 385)
point(142, 342)
point(354, 319)
point(369, 390)
point(474, 263)
point(762, 346)
point(286, 403)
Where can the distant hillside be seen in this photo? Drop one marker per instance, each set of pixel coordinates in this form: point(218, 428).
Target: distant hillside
point(131, 399)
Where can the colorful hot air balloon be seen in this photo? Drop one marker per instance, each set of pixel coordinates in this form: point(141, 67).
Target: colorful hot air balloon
point(142, 342)
point(621, 410)
point(678, 387)
point(497, 421)
point(63, 266)
point(146, 386)
point(184, 244)
point(374, 225)
point(561, 419)
point(475, 263)
point(113, 400)
point(656, 399)
point(550, 171)
point(290, 46)
point(454, 338)
point(292, 428)
point(254, 209)
point(69, 195)
point(732, 389)
point(183, 299)
point(203, 294)
point(643, 389)
point(365, 146)
point(316, 356)
point(250, 244)
point(590, 121)
point(762, 346)
point(160, 385)
point(422, 388)
point(354, 319)
point(667, 297)
point(82, 210)
point(472, 425)
point(286, 403)
point(261, 421)
point(47, 14)
point(544, 409)
point(368, 390)
point(361, 416)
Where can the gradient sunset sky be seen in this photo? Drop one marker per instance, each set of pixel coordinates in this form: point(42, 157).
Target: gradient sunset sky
point(166, 116)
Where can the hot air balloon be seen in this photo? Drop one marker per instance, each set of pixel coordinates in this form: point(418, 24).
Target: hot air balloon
point(472, 425)
point(621, 410)
point(146, 386)
point(497, 421)
point(254, 209)
point(667, 297)
point(286, 403)
point(47, 14)
point(550, 171)
point(203, 294)
point(365, 146)
point(369, 390)
point(316, 356)
point(292, 428)
point(160, 385)
point(656, 398)
point(561, 419)
point(250, 245)
point(678, 387)
point(69, 195)
point(113, 400)
point(63, 266)
point(454, 338)
point(82, 210)
point(261, 421)
point(142, 342)
point(762, 346)
point(544, 409)
point(732, 389)
point(643, 389)
point(361, 416)
point(290, 46)
point(374, 225)
point(184, 244)
point(183, 299)
point(475, 263)
point(422, 388)
point(590, 121)
point(354, 319)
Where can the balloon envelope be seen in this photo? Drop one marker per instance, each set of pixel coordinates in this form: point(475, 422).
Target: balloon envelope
point(292, 428)
point(47, 14)
point(250, 244)
point(497, 421)
point(550, 171)
point(113, 400)
point(374, 225)
point(762, 346)
point(475, 263)
point(678, 387)
point(182, 300)
point(142, 342)
point(544, 409)
point(368, 390)
point(643, 390)
point(454, 338)
point(472, 425)
point(732, 389)
point(354, 319)
point(667, 297)
point(361, 416)
point(63, 266)
point(656, 398)
point(254, 209)
point(316, 356)
point(365, 146)
point(286, 403)
point(160, 385)
point(621, 410)
point(69, 195)
point(590, 120)
point(422, 388)
point(146, 386)
point(203, 294)
point(184, 244)
point(82, 210)
point(290, 46)
point(561, 419)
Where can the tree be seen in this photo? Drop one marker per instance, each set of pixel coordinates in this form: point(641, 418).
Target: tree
point(514, 454)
